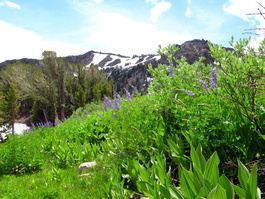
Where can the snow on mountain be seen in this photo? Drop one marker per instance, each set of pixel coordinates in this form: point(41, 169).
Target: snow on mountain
point(107, 60)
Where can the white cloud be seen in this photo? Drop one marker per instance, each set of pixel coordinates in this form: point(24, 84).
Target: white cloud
point(241, 8)
point(120, 34)
point(19, 43)
point(188, 12)
point(10, 4)
point(159, 9)
point(189, 1)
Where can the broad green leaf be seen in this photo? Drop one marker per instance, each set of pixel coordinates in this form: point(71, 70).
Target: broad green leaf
point(185, 186)
point(252, 183)
point(212, 170)
point(146, 188)
point(197, 158)
point(239, 191)
point(174, 147)
point(175, 192)
point(165, 192)
point(198, 173)
point(202, 193)
point(226, 184)
point(201, 157)
point(192, 182)
point(144, 175)
point(243, 175)
point(217, 192)
point(258, 193)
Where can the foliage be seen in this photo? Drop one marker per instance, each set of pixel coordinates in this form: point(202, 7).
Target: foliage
point(55, 90)
point(219, 106)
point(159, 145)
point(9, 105)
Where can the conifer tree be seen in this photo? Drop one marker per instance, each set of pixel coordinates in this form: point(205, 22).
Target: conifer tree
point(9, 105)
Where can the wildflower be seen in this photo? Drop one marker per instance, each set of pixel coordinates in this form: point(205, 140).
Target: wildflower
point(214, 78)
point(203, 83)
point(99, 115)
point(188, 92)
point(171, 70)
point(107, 103)
point(114, 115)
point(117, 101)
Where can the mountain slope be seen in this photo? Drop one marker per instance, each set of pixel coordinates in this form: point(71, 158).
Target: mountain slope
point(128, 72)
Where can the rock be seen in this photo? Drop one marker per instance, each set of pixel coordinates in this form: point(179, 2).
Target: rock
point(86, 166)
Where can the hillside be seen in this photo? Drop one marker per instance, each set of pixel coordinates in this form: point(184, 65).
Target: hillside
point(125, 70)
point(197, 133)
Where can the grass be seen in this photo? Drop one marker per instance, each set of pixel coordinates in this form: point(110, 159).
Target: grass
point(55, 183)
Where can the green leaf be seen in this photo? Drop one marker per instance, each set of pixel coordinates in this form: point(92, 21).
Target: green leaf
point(263, 136)
point(191, 183)
point(197, 158)
point(202, 193)
point(146, 188)
point(217, 192)
point(165, 192)
point(144, 175)
point(175, 147)
point(226, 184)
point(185, 186)
point(198, 173)
point(252, 183)
point(240, 192)
point(212, 171)
point(243, 175)
point(258, 193)
point(175, 192)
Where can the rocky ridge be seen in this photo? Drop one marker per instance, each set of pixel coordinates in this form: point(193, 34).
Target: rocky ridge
point(130, 71)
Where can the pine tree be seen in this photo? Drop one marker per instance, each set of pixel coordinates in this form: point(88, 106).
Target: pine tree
point(9, 105)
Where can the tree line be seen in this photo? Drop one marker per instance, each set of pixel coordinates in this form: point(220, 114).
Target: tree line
point(50, 92)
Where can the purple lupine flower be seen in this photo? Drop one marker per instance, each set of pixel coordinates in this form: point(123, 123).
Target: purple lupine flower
point(114, 115)
point(188, 92)
point(99, 115)
point(214, 78)
point(203, 83)
point(107, 103)
point(171, 70)
point(117, 101)
point(128, 96)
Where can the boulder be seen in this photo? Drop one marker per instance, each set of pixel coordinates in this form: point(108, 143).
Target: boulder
point(86, 166)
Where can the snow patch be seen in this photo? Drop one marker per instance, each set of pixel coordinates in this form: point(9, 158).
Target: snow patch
point(20, 128)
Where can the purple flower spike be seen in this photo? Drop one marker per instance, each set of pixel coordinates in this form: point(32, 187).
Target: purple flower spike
point(188, 92)
point(107, 103)
point(203, 83)
point(214, 78)
point(171, 70)
point(117, 102)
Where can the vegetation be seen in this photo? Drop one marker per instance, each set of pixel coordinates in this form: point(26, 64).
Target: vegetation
point(54, 90)
point(194, 135)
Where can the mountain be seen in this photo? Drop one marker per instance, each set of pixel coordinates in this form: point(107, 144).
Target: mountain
point(130, 72)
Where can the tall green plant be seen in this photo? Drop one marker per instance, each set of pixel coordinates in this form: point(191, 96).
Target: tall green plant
point(240, 77)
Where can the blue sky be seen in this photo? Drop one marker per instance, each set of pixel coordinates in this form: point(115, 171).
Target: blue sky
point(127, 27)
